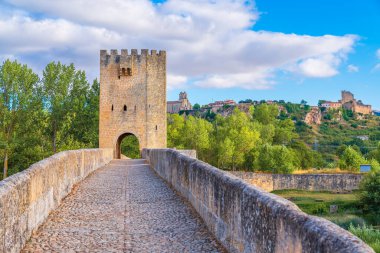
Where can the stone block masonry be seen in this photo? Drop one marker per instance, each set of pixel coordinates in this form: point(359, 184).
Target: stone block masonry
point(27, 198)
point(132, 98)
point(308, 182)
point(245, 218)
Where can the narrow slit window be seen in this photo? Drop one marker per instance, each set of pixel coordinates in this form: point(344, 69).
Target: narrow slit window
point(156, 127)
point(125, 108)
point(135, 108)
point(112, 108)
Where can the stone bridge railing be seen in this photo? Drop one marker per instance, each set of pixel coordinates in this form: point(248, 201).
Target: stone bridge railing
point(26, 198)
point(245, 218)
point(309, 182)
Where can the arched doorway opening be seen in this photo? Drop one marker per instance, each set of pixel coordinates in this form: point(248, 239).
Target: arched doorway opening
point(128, 145)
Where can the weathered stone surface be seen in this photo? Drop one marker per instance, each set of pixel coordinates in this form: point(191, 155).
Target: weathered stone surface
point(123, 207)
point(310, 182)
point(27, 198)
point(189, 152)
point(245, 218)
point(132, 98)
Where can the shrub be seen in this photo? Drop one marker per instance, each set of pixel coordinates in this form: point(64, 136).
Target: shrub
point(351, 159)
point(370, 192)
point(320, 208)
point(368, 234)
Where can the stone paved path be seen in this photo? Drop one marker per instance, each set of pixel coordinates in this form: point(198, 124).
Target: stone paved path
point(123, 207)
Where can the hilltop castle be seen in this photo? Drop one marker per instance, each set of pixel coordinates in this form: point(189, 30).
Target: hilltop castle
point(350, 103)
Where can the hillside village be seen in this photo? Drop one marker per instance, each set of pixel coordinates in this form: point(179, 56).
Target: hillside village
point(328, 128)
point(311, 115)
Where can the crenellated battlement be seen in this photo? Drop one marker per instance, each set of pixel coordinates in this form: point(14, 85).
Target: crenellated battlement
point(124, 52)
point(114, 56)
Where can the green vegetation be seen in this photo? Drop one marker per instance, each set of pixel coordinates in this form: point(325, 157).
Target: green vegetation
point(318, 203)
point(368, 234)
point(351, 159)
point(39, 117)
point(256, 140)
point(130, 147)
point(344, 140)
point(350, 215)
point(370, 192)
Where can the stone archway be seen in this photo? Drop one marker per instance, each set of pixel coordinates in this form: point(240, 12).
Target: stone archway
point(119, 141)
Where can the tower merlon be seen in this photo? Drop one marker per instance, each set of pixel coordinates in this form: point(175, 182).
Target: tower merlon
point(124, 52)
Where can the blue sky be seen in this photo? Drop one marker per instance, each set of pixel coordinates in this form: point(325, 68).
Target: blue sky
point(263, 49)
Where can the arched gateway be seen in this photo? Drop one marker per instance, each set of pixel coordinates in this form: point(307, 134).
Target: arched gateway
point(132, 98)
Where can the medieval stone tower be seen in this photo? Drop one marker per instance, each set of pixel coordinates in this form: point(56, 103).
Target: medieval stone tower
point(132, 98)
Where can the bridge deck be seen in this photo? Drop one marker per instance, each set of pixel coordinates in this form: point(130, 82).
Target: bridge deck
point(123, 207)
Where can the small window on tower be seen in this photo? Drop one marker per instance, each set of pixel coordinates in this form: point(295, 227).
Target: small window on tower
point(125, 108)
point(135, 107)
point(123, 71)
point(112, 108)
point(156, 127)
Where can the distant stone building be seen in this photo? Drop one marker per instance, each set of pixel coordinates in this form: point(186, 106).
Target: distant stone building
point(349, 102)
point(183, 104)
point(331, 105)
point(215, 106)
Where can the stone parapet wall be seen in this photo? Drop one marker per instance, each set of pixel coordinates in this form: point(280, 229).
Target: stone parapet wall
point(27, 198)
point(188, 152)
point(309, 182)
point(245, 218)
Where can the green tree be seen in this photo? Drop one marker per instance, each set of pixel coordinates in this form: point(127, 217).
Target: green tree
point(275, 159)
point(370, 192)
point(196, 106)
point(375, 154)
point(304, 154)
point(267, 133)
point(196, 135)
point(285, 132)
point(237, 131)
point(266, 114)
point(351, 159)
point(175, 132)
point(17, 84)
point(64, 91)
point(85, 124)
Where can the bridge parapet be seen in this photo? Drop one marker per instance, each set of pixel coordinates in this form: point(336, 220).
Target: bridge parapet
point(245, 218)
point(26, 198)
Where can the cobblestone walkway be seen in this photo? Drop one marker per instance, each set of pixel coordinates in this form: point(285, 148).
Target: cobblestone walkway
point(123, 207)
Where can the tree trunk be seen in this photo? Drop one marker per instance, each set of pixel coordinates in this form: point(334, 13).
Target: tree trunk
point(5, 170)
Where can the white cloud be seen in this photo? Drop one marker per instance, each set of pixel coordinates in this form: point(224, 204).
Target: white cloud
point(352, 68)
point(376, 68)
point(378, 53)
point(255, 80)
point(211, 42)
point(176, 81)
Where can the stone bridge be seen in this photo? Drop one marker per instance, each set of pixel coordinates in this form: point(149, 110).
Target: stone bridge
point(85, 201)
